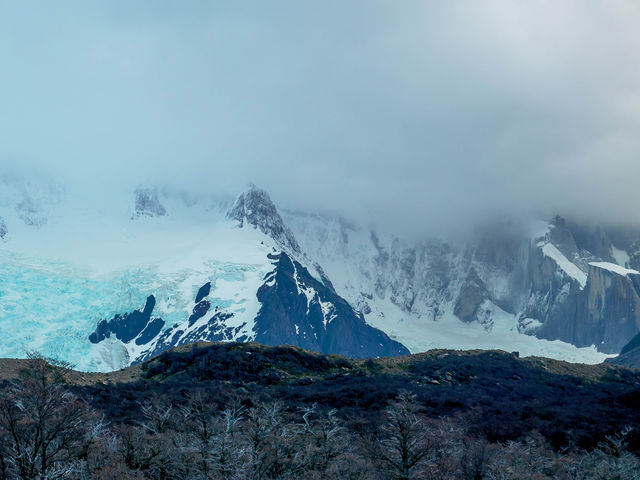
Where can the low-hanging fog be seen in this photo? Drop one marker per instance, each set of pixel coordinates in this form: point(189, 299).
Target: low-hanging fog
point(417, 114)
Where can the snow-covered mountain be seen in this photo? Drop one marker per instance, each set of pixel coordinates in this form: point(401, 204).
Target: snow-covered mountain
point(104, 286)
point(572, 287)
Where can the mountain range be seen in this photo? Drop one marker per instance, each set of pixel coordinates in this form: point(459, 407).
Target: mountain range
point(106, 286)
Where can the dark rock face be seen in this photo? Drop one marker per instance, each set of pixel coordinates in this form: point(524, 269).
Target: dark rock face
point(148, 204)
point(472, 295)
point(556, 299)
point(629, 355)
point(629, 359)
point(128, 326)
point(204, 291)
point(149, 333)
point(606, 313)
point(3, 229)
point(299, 310)
point(199, 311)
point(562, 237)
point(610, 311)
point(553, 297)
point(601, 312)
point(593, 239)
point(255, 208)
point(214, 330)
point(140, 327)
point(632, 345)
point(296, 309)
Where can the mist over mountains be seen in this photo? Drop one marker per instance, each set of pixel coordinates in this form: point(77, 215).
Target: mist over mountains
point(417, 116)
point(121, 281)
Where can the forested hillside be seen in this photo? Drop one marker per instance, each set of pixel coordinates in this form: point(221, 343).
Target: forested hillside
point(246, 411)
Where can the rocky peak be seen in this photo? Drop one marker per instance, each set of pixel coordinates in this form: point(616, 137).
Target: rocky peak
point(254, 207)
point(296, 309)
point(147, 203)
point(594, 240)
point(562, 237)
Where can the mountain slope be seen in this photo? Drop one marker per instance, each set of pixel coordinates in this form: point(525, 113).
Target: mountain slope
point(115, 284)
point(167, 270)
point(629, 355)
point(554, 280)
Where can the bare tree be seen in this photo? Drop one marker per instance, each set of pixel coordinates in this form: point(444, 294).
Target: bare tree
point(199, 418)
point(400, 446)
point(528, 459)
point(611, 460)
point(46, 430)
point(272, 444)
point(227, 449)
point(327, 450)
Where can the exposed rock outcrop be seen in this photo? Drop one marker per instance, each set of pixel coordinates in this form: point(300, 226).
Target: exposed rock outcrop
point(472, 295)
point(538, 273)
point(606, 313)
point(128, 326)
point(629, 355)
point(553, 295)
point(146, 334)
point(299, 310)
point(254, 207)
point(296, 309)
point(610, 311)
point(148, 204)
point(3, 228)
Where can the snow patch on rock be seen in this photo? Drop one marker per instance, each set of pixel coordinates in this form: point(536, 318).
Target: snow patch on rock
point(569, 268)
point(612, 267)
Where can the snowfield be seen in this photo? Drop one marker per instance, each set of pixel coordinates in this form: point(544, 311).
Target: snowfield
point(54, 292)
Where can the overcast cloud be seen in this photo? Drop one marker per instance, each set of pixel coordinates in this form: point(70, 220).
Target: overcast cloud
point(421, 113)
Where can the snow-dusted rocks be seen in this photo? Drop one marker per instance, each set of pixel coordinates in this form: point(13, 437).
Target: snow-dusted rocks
point(254, 207)
point(147, 203)
point(585, 302)
point(3, 229)
point(606, 313)
point(463, 294)
point(568, 268)
point(297, 309)
point(142, 335)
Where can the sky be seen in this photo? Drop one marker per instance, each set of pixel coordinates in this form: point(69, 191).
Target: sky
point(417, 114)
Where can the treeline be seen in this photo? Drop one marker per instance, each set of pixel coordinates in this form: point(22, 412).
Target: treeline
point(48, 431)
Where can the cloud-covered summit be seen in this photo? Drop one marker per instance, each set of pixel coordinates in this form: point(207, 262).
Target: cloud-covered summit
point(417, 114)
